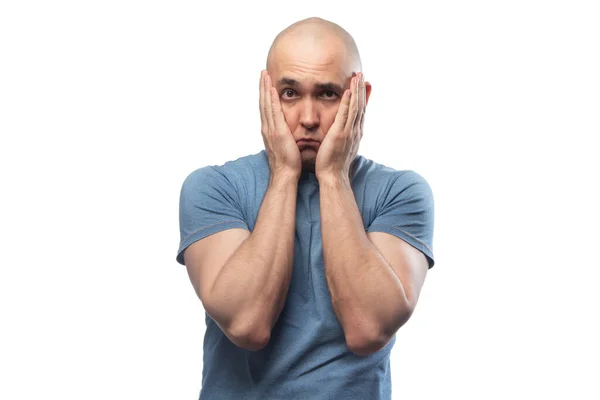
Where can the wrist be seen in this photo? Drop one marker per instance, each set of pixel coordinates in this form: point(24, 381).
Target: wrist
point(333, 179)
point(283, 179)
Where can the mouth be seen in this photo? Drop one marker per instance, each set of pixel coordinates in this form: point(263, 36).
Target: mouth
point(304, 144)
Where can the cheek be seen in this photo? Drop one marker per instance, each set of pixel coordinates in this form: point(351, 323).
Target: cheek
point(327, 118)
point(291, 117)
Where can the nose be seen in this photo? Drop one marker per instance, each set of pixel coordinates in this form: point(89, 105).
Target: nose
point(309, 117)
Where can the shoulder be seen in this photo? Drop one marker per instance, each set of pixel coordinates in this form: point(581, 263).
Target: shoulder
point(385, 180)
point(234, 173)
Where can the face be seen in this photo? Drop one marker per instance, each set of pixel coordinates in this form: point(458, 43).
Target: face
point(310, 80)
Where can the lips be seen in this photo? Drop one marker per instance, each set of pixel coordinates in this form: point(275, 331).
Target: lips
point(307, 143)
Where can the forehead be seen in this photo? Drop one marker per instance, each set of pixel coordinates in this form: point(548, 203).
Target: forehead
point(309, 62)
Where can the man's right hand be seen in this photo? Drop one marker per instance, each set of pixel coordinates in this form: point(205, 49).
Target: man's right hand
point(282, 150)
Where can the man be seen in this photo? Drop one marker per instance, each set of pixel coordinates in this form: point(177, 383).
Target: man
point(306, 256)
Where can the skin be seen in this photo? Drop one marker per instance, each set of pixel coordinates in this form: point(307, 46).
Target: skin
point(313, 52)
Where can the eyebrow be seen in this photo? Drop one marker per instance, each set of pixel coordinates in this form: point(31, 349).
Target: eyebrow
point(321, 86)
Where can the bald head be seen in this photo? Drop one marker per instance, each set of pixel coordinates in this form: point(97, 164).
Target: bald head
point(310, 66)
point(312, 35)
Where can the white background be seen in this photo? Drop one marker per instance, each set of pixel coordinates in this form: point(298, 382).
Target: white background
point(106, 106)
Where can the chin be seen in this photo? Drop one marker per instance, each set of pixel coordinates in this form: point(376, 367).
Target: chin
point(308, 164)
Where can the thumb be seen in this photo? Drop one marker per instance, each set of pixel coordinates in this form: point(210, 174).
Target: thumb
point(278, 117)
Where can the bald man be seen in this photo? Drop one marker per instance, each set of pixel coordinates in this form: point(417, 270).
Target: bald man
point(306, 256)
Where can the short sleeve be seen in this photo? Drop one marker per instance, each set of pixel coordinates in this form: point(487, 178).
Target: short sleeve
point(407, 212)
point(208, 203)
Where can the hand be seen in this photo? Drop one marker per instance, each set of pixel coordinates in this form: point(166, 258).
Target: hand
point(282, 150)
point(340, 146)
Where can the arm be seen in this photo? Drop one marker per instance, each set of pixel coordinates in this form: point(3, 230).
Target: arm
point(374, 285)
point(241, 278)
point(246, 293)
point(371, 297)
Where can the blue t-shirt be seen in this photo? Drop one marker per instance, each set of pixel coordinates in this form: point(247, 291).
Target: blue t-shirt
point(307, 356)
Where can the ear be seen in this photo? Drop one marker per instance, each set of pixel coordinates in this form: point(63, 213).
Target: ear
point(368, 92)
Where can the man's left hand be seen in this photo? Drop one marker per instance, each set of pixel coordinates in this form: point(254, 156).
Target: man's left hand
point(340, 146)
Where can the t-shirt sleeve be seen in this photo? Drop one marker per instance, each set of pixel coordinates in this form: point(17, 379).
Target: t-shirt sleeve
point(208, 203)
point(407, 212)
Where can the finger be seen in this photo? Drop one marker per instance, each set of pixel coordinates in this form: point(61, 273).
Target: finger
point(342, 113)
point(263, 119)
point(278, 117)
point(360, 103)
point(353, 105)
point(268, 107)
point(362, 106)
point(362, 124)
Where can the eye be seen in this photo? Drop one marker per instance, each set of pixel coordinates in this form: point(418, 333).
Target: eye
point(287, 93)
point(329, 94)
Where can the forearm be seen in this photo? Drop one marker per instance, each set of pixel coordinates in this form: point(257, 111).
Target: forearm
point(367, 296)
point(251, 289)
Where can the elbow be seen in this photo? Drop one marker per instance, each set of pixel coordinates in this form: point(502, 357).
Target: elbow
point(366, 343)
point(252, 342)
point(250, 339)
point(365, 347)
point(243, 333)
